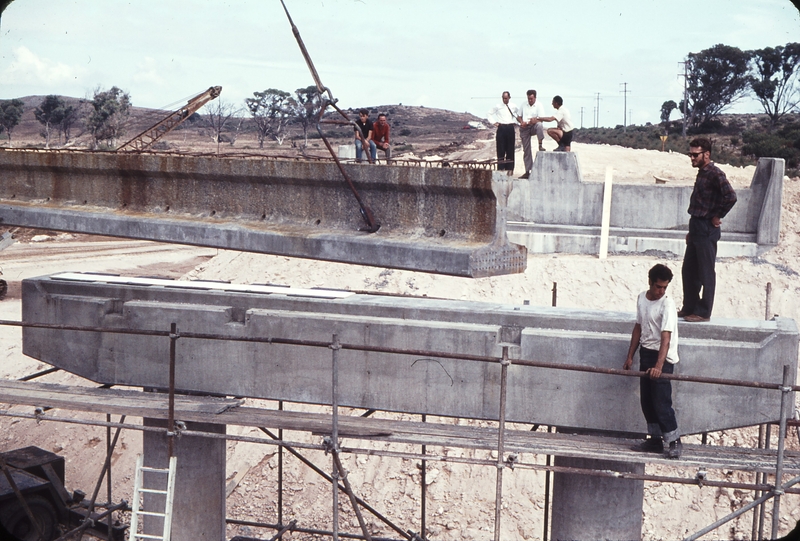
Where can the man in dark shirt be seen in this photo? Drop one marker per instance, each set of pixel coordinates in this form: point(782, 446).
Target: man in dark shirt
point(380, 134)
point(364, 142)
point(712, 198)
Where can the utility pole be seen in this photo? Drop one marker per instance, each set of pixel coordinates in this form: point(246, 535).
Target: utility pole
point(685, 76)
point(625, 106)
point(581, 117)
point(597, 108)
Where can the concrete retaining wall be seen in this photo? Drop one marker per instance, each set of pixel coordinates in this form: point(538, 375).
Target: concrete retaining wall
point(556, 211)
point(735, 349)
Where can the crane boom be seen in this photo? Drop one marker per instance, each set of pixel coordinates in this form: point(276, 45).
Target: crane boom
point(144, 140)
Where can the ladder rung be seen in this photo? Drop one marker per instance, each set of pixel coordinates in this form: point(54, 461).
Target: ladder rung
point(145, 536)
point(151, 513)
point(152, 491)
point(154, 470)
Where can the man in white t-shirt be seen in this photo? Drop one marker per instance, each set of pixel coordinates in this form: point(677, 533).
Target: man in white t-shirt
point(529, 124)
point(655, 334)
point(562, 133)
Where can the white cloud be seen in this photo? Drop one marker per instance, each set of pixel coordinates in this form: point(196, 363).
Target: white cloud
point(27, 68)
point(148, 71)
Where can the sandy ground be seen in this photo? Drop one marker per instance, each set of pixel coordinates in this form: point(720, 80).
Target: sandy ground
point(461, 499)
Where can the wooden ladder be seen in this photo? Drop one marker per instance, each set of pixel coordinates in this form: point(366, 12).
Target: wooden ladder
point(139, 490)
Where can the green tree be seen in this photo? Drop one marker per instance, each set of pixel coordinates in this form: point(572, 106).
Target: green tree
point(308, 103)
point(716, 78)
point(666, 110)
point(272, 111)
point(10, 115)
point(775, 79)
point(783, 143)
point(69, 120)
point(50, 114)
point(110, 110)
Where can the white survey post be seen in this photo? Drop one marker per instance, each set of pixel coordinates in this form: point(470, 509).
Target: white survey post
point(606, 217)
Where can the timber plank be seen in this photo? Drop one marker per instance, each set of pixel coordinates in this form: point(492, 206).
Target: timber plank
point(447, 434)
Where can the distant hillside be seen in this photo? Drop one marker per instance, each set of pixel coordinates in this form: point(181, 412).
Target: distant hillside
point(417, 129)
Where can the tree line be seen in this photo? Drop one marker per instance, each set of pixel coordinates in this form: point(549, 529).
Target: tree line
point(105, 116)
point(719, 76)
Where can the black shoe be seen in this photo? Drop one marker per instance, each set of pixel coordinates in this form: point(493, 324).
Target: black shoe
point(650, 445)
point(683, 313)
point(525, 176)
point(675, 449)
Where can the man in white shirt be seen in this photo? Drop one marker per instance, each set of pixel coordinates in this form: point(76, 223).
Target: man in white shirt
point(562, 133)
point(529, 124)
point(504, 117)
point(655, 334)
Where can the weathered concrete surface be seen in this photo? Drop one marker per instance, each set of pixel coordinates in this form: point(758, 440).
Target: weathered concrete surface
point(556, 211)
point(590, 508)
point(198, 511)
point(445, 221)
point(735, 349)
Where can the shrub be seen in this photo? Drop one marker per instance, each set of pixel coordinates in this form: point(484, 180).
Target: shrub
point(785, 143)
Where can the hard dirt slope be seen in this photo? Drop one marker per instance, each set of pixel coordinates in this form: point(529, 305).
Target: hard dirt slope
point(461, 500)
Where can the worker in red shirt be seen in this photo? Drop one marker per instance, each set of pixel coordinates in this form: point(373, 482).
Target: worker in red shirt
point(380, 134)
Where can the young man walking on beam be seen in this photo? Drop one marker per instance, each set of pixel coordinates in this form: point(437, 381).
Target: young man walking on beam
point(655, 334)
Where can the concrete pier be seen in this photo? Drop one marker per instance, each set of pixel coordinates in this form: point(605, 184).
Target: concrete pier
point(440, 220)
point(199, 506)
point(596, 508)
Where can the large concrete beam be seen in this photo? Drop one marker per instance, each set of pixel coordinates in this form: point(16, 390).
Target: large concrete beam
point(748, 351)
point(555, 210)
point(444, 220)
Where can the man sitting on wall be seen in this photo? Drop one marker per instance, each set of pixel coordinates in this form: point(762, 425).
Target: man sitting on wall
point(380, 135)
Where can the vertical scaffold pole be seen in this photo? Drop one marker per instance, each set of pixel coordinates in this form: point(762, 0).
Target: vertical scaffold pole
point(501, 431)
point(763, 510)
point(335, 347)
point(763, 436)
point(786, 389)
point(754, 535)
point(423, 488)
point(280, 471)
point(173, 339)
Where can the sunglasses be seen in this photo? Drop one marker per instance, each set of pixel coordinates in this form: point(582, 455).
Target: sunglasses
point(696, 154)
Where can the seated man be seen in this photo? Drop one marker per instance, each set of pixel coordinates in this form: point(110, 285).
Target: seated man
point(562, 133)
point(364, 140)
point(380, 134)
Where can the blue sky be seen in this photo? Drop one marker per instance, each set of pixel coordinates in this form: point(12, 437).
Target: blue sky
point(457, 55)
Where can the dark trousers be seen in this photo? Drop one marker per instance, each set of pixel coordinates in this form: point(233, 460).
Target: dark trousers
point(656, 398)
point(505, 147)
point(698, 267)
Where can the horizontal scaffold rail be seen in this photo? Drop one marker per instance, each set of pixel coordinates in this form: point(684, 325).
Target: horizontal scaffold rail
point(432, 434)
point(440, 220)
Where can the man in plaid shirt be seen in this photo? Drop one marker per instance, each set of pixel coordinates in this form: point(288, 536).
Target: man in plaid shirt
point(712, 198)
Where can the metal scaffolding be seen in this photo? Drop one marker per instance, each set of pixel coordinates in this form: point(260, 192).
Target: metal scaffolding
point(507, 442)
